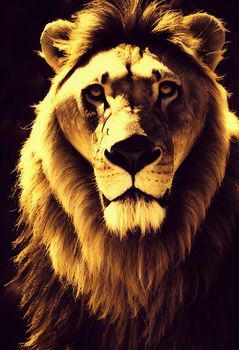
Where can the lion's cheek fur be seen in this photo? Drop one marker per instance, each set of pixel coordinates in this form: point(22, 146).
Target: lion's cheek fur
point(74, 126)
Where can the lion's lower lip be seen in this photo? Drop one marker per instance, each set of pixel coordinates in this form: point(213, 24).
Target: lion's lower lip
point(134, 194)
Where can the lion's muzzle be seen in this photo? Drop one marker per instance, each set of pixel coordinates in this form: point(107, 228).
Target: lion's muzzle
point(133, 178)
point(133, 153)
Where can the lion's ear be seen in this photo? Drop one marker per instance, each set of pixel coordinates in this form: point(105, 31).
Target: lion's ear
point(211, 32)
point(55, 42)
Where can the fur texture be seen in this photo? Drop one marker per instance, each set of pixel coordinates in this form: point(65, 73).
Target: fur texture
point(132, 274)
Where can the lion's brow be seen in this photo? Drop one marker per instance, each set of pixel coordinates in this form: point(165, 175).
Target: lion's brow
point(128, 67)
point(104, 78)
point(156, 74)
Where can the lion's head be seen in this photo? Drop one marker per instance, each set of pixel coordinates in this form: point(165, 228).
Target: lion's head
point(132, 109)
point(126, 154)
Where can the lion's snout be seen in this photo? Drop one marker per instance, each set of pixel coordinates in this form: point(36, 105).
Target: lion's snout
point(133, 153)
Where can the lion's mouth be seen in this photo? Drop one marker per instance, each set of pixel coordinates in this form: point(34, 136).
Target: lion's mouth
point(135, 194)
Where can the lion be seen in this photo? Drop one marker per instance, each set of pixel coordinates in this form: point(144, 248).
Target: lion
point(129, 185)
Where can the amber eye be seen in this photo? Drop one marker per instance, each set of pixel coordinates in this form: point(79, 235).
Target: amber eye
point(94, 93)
point(167, 88)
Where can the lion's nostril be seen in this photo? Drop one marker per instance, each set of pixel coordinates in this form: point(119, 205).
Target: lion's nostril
point(148, 157)
point(133, 154)
point(117, 158)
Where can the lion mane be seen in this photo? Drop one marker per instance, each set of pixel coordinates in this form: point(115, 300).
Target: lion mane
point(105, 266)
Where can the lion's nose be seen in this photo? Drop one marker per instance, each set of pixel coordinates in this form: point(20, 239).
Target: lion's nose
point(133, 153)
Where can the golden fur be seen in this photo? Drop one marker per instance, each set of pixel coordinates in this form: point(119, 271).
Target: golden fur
point(133, 263)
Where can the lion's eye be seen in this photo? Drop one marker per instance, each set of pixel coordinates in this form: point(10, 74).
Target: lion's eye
point(167, 88)
point(94, 93)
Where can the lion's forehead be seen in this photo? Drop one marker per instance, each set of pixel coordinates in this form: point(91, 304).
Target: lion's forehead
point(123, 62)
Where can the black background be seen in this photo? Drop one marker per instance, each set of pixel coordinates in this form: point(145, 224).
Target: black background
point(25, 81)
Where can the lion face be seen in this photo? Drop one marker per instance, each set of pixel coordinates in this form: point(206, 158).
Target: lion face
point(134, 127)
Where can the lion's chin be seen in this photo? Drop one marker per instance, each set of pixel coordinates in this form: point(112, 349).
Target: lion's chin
point(128, 216)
